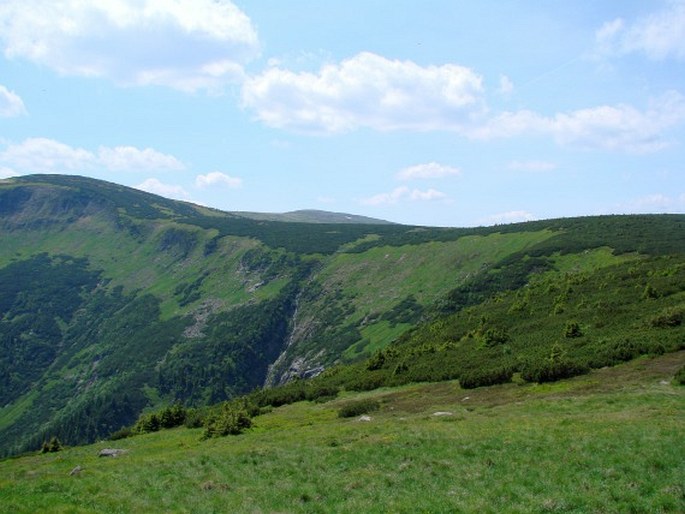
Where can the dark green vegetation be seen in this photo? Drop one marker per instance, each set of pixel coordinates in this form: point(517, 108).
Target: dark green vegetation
point(609, 441)
point(115, 302)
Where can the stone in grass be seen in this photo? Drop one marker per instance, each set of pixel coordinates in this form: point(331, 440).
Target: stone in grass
point(111, 452)
point(443, 413)
point(75, 471)
point(364, 418)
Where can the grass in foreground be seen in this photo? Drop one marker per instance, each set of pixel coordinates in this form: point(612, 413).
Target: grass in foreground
point(610, 441)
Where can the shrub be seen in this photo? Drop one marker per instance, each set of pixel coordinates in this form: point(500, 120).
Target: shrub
point(358, 408)
point(495, 336)
point(679, 378)
point(173, 416)
point(122, 433)
point(650, 292)
point(231, 419)
point(553, 368)
point(572, 329)
point(195, 418)
point(376, 362)
point(485, 377)
point(147, 423)
point(321, 392)
point(669, 318)
point(51, 446)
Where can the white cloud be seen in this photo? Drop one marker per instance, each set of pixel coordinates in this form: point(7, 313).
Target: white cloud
point(154, 186)
point(532, 166)
point(217, 179)
point(507, 217)
point(10, 103)
point(506, 86)
point(369, 91)
point(660, 35)
point(428, 195)
point(184, 44)
point(130, 158)
point(427, 170)
point(656, 202)
point(7, 172)
point(618, 128)
point(403, 193)
point(42, 155)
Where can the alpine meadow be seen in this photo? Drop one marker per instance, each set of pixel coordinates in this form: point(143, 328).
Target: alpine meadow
point(304, 354)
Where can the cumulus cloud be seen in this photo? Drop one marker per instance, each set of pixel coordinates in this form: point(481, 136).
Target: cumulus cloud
point(42, 155)
point(155, 186)
point(659, 36)
point(10, 103)
point(427, 170)
point(366, 91)
point(216, 178)
point(371, 91)
point(183, 44)
point(609, 127)
point(404, 193)
point(130, 158)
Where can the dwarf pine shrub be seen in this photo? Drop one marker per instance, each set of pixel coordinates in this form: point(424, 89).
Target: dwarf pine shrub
point(358, 408)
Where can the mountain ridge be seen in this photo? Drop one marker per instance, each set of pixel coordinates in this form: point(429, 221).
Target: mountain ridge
point(162, 301)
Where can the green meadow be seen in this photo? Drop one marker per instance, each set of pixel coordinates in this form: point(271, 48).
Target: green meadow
point(608, 441)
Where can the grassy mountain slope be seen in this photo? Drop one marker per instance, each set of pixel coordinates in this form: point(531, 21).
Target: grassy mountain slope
point(609, 441)
point(115, 301)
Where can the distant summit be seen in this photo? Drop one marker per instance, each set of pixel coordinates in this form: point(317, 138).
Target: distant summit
point(313, 216)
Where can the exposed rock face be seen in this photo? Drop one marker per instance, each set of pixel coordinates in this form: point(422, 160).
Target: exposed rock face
point(111, 452)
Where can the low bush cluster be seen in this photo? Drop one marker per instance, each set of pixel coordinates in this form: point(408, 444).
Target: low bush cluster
point(358, 408)
point(52, 446)
point(485, 377)
point(169, 417)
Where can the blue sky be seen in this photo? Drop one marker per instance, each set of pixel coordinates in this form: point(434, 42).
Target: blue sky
point(437, 113)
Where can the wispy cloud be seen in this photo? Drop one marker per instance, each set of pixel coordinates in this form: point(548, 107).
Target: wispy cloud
point(655, 202)
point(427, 170)
point(658, 36)
point(10, 103)
point(507, 217)
point(7, 172)
point(608, 127)
point(403, 193)
point(506, 86)
point(183, 44)
point(532, 166)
